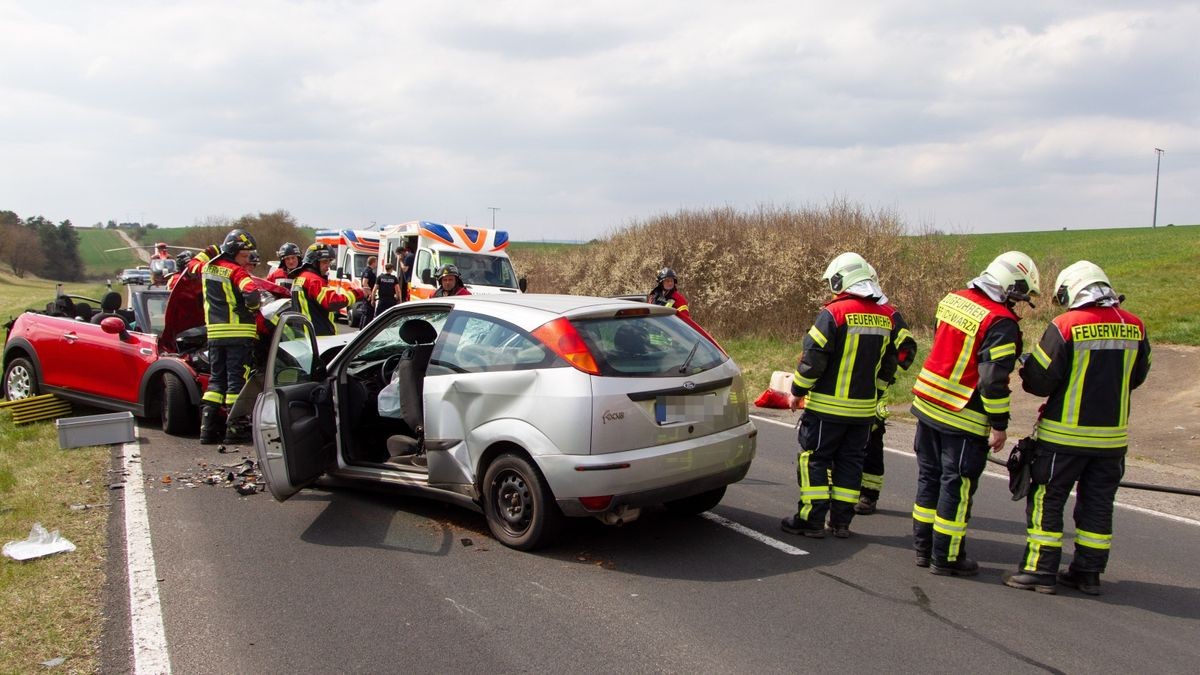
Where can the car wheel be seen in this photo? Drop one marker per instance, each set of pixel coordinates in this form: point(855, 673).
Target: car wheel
point(690, 506)
point(19, 380)
point(520, 509)
point(178, 413)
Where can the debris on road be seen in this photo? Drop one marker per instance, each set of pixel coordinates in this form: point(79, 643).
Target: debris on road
point(244, 476)
point(39, 543)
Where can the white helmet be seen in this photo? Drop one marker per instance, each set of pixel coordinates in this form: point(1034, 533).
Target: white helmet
point(846, 270)
point(1075, 278)
point(1016, 274)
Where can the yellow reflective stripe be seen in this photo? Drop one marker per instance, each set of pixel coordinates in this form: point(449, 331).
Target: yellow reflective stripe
point(969, 421)
point(1034, 548)
point(902, 335)
point(964, 510)
point(964, 357)
point(803, 382)
point(1126, 374)
point(845, 407)
point(949, 385)
point(809, 493)
point(1073, 398)
point(1083, 436)
point(1001, 351)
point(817, 336)
point(1043, 537)
point(1093, 539)
point(952, 401)
point(995, 406)
point(842, 494)
point(246, 281)
point(681, 309)
point(1041, 357)
point(841, 388)
point(213, 397)
point(924, 515)
point(872, 481)
point(236, 330)
point(953, 528)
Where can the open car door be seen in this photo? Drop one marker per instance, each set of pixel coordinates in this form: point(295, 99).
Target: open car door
point(294, 430)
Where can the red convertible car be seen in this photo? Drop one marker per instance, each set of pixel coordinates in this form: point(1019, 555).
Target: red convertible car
point(113, 359)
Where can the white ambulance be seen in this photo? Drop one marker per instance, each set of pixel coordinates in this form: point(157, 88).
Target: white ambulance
point(477, 252)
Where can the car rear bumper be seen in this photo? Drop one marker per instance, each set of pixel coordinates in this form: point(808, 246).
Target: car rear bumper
point(651, 475)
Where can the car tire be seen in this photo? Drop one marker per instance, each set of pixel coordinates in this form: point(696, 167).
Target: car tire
point(696, 504)
point(178, 413)
point(20, 380)
point(520, 509)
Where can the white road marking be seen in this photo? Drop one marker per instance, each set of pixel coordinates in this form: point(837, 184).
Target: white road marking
point(996, 473)
point(150, 653)
point(753, 534)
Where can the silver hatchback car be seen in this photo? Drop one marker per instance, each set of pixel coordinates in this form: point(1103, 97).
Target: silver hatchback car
point(531, 407)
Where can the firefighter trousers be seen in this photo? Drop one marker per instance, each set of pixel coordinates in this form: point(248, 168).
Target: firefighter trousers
point(872, 476)
point(829, 470)
point(948, 470)
point(229, 361)
point(1054, 474)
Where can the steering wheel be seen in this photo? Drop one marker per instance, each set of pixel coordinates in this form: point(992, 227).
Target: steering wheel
point(388, 367)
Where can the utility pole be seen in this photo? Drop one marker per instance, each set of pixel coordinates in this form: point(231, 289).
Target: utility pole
point(1159, 152)
point(494, 210)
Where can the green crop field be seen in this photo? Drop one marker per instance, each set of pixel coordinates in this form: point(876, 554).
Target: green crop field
point(94, 242)
point(1153, 267)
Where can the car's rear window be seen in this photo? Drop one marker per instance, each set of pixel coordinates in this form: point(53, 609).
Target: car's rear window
point(648, 346)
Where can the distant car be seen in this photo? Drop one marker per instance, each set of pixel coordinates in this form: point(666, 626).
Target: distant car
point(136, 275)
point(532, 407)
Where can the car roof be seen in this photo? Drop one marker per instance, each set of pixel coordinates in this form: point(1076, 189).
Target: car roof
point(530, 310)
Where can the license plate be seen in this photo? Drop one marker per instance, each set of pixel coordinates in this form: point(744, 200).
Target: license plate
point(694, 408)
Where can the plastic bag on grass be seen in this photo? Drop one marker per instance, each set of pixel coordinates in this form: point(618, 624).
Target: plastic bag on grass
point(40, 543)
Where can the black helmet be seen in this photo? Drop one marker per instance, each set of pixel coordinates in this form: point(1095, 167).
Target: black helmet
point(289, 249)
point(448, 270)
point(316, 253)
point(238, 240)
point(667, 273)
point(182, 259)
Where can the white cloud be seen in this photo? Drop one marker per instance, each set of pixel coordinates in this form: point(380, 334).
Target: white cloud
point(579, 117)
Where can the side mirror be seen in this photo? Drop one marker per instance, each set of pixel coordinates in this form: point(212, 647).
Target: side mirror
point(427, 276)
point(115, 325)
point(522, 284)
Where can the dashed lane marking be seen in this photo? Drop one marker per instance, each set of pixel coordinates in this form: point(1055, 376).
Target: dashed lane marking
point(753, 534)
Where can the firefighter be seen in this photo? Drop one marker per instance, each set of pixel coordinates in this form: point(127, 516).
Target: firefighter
point(312, 295)
point(849, 358)
point(289, 259)
point(450, 282)
point(667, 294)
point(872, 480)
point(961, 402)
point(230, 302)
point(1087, 362)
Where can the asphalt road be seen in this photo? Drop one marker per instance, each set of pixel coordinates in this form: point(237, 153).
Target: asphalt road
point(338, 580)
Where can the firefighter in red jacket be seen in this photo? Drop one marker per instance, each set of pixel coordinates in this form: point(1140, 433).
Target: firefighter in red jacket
point(849, 358)
point(450, 282)
point(872, 477)
point(667, 293)
point(230, 302)
point(289, 259)
point(961, 404)
point(1087, 362)
point(312, 295)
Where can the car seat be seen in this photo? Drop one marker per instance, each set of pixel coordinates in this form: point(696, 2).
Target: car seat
point(420, 335)
point(62, 306)
point(629, 340)
point(83, 311)
point(109, 305)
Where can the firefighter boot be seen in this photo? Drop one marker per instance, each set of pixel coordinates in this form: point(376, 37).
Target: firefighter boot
point(1085, 582)
point(963, 567)
point(866, 505)
point(237, 431)
point(211, 425)
point(1029, 581)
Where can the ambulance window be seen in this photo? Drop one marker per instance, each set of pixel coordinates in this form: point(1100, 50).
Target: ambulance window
point(423, 263)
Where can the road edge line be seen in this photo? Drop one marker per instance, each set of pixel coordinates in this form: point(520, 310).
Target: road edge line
point(753, 534)
point(148, 635)
point(996, 474)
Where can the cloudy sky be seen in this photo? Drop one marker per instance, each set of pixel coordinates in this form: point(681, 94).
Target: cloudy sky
point(574, 118)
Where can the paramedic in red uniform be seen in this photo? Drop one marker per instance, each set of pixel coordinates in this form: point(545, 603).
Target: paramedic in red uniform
point(961, 402)
point(1087, 362)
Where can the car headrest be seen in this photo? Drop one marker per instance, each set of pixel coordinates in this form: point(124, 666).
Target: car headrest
point(629, 340)
point(64, 305)
point(417, 332)
point(111, 301)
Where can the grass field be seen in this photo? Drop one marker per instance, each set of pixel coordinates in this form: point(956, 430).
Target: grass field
point(97, 264)
point(49, 607)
